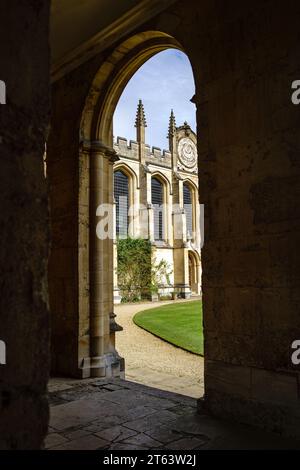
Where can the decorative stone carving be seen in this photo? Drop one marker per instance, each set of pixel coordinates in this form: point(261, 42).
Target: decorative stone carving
point(187, 152)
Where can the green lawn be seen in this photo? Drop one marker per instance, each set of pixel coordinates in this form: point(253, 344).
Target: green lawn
point(179, 323)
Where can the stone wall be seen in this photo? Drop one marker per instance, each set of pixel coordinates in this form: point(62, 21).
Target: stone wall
point(63, 169)
point(24, 322)
point(244, 57)
point(248, 134)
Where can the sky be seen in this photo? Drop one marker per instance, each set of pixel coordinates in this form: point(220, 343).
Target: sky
point(163, 83)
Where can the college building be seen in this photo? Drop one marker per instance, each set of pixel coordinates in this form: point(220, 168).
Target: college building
point(156, 198)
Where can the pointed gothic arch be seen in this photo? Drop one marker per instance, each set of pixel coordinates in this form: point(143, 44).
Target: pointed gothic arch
point(94, 350)
point(113, 76)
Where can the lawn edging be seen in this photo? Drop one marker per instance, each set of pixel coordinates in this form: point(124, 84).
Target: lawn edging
point(175, 323)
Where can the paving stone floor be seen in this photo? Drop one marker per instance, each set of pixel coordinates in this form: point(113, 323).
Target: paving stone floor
point(120, 415)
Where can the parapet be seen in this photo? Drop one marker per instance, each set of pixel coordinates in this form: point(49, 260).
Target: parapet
point(157, 156)
point(126, 150)
point(152, 155)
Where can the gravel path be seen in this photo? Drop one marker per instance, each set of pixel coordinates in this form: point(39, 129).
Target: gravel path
point(152, 361)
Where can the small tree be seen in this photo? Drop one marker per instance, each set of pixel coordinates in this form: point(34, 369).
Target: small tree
point(160, 274)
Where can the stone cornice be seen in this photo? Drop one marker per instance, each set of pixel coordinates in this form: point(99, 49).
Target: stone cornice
point(131, 20)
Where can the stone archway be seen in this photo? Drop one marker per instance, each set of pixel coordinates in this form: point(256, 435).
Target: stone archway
point(249, 135)
point(111, 79)
point(96, 161)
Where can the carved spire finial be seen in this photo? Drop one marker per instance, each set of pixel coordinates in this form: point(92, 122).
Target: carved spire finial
point(140, 120)
point(172, 125)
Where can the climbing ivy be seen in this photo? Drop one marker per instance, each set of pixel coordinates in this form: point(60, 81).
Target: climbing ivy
point(139, 275)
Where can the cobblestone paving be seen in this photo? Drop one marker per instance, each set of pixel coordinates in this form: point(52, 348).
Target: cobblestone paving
point(120, 415)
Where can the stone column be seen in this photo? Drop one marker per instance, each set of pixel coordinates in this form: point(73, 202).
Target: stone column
point(199, 275)
point(145, 202)
point(134, 209)
point(197, 225)
point(104, 360)
point(180, 252)
point(117, 296)
point(151, 223)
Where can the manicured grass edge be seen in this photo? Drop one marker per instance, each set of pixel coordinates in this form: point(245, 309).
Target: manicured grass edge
point(135, 321)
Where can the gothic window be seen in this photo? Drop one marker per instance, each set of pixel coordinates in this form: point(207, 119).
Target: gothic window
point(188, 209)
point(157, 201)
point(121, 195)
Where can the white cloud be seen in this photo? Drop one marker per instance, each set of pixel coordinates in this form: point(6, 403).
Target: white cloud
point(163, 82)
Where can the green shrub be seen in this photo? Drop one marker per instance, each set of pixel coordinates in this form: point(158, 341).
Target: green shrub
point(139, 276)
point(134, 267)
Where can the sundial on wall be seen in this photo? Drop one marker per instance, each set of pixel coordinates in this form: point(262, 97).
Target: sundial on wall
point(187, 152)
